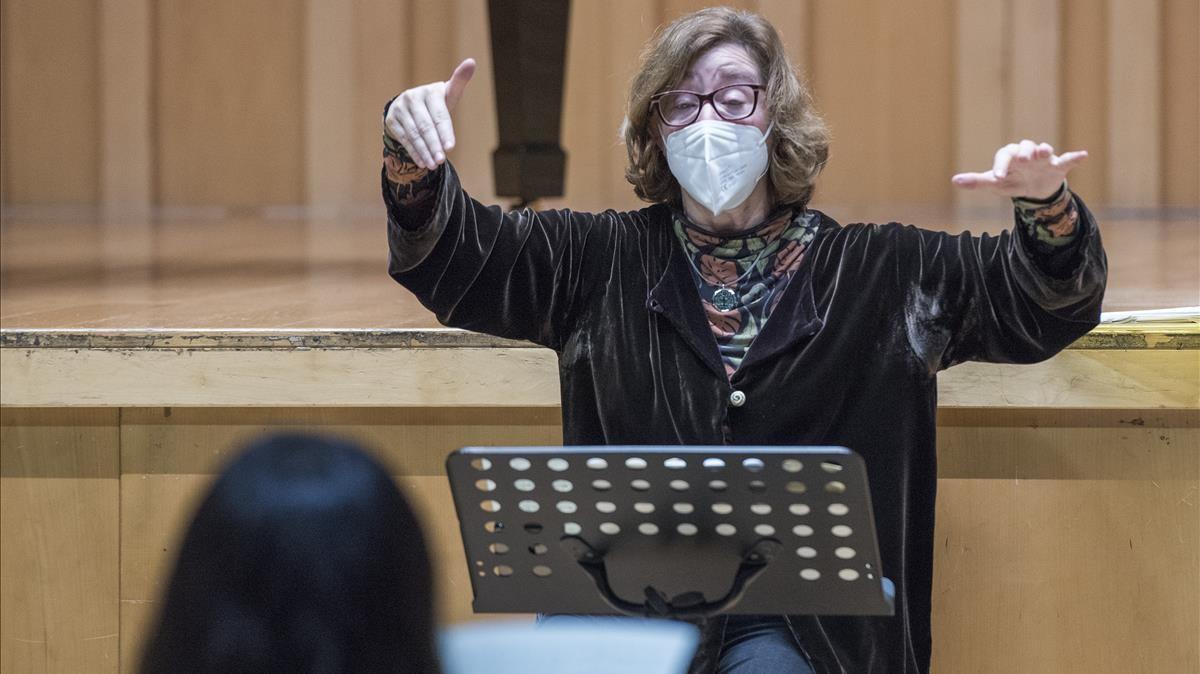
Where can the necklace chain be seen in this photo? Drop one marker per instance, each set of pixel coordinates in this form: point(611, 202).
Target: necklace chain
point(725, 298)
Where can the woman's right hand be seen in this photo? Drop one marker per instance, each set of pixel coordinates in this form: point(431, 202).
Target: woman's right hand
point(419, 118)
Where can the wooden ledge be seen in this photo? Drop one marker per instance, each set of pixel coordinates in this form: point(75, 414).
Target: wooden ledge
point(1170, 336)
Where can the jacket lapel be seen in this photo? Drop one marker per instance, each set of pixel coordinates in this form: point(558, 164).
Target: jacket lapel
point(793, 319)
point(675, 298)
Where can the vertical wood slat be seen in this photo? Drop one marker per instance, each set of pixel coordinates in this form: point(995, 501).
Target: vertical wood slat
point(475, 116)
point(229, 103)
point(329, 86)
point(1134, 103)
point(1034, 36)
point(382, 64)
point(59, 517)
point(5, 61)
point(792, 19)
point(48, 75)
point(629, 27)
point(981, 87)
point(1085, 95)
point(126, 156)
point(586, 123)
point(913, 104)
point(854, 158)
point(881, 74)
point(1181, 104)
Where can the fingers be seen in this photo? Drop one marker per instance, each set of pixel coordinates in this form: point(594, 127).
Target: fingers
point(391, 122)
point(1025, 150)
point(440, 115)
point(1069, 160)
point(394, 128)
point(1043, 151)
point(415, 143)
point(427, 130)
point(971, 181)
point(1004, 157)
point(458, 82)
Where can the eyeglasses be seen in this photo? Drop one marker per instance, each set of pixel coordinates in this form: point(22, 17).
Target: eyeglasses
point(731, 103)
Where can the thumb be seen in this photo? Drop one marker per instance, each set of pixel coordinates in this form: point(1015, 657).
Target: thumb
point(458, 82)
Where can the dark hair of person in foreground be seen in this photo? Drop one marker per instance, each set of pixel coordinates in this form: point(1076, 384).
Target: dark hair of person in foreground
point(304, 557)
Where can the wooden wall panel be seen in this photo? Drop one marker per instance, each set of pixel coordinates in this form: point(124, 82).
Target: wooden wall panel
point(793, 20)
point(1134, 103)
point(1034, 51)
point(126, 153)
point(49, 153)
point(382, 68)
point(1085, 95)
point(915, 105)
point(1057, 444)
point(59, 557)
point(229, 102)
point(475, 117)
point(329, 87)
point(630, 24)
point(590, 119)
point(1072, 576)
point(277, 102)
point(845, 41)
point(883, 76)
point(1181, 104)
point(981, 82)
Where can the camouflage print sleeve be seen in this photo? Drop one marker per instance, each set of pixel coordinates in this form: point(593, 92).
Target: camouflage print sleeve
point(1050, 221)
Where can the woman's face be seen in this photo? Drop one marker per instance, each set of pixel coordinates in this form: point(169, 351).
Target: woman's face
point(721, 66)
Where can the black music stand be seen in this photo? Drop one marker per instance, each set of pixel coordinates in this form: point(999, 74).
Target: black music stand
point(669, 531)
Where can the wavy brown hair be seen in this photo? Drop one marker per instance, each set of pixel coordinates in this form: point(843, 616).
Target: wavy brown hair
point(800, 141)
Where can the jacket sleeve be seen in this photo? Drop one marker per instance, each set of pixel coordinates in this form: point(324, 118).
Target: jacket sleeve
point(1006, 299)
point(518, 274)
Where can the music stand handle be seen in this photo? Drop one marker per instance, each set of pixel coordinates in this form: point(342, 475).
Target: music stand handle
point(684, 605)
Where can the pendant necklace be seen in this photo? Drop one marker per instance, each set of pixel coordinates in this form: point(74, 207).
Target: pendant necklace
point(724, 298)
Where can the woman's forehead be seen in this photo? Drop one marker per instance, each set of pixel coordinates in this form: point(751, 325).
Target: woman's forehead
point(723, 64)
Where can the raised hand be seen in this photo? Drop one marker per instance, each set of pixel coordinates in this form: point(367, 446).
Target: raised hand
point(1025, 169)
point(419, 118)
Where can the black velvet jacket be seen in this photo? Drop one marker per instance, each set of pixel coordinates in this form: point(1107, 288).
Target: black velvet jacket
point(849, 357)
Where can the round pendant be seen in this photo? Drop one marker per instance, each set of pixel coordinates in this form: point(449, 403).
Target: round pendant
point(724, 299)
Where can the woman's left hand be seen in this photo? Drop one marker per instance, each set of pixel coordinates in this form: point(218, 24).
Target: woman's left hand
point(1025, 169)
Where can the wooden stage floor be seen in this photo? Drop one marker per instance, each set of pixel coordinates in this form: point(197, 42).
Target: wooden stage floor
point(267, 272)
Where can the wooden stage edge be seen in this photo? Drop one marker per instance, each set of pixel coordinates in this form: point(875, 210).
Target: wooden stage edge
point(1114, 367)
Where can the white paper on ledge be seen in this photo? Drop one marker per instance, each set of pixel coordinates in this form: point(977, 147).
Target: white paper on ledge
point(1182, 315)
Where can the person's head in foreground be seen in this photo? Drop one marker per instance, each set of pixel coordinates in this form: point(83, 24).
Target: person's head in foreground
point(715, 107)
point(303, 557)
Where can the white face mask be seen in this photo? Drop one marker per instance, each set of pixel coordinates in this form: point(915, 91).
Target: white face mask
point(718, 163)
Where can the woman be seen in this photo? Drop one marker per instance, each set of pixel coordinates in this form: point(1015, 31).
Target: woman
point(304, 557)
point(728, 312)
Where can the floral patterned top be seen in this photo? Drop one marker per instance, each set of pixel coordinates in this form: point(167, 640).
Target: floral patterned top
point(756, 265)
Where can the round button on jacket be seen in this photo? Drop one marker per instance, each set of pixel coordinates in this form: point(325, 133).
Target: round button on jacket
point(737, 398)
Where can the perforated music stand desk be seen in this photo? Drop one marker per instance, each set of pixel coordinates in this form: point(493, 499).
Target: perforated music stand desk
point(668, 531)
